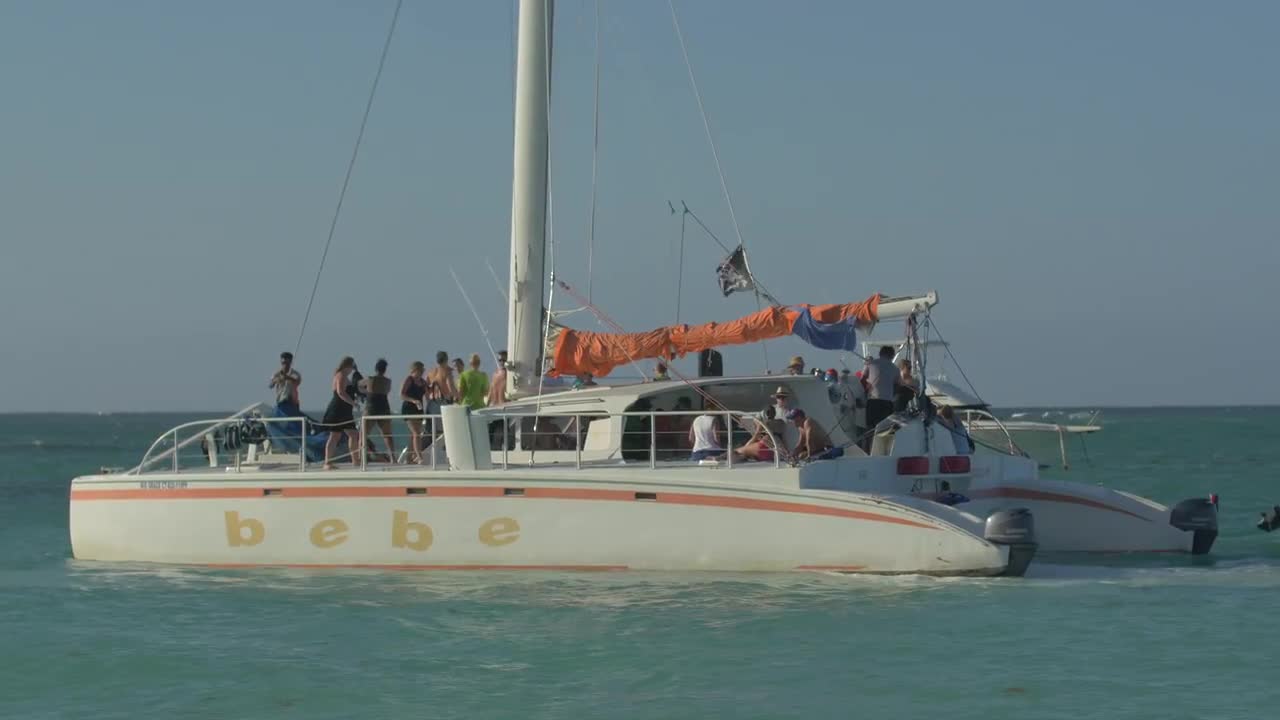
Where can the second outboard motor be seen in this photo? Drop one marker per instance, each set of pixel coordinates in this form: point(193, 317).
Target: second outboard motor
point(1017, 529)
point(1200, 517)
point(1270, 521)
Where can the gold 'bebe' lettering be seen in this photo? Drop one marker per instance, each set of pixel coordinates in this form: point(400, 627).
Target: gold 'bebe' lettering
point(401, 527)
point(500, 531)
point(329, 533)
point(236, 528)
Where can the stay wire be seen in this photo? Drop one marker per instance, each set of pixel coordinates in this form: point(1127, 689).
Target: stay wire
point(595, 154)
point(947, 347)
point(706, 124)
point(351, 165)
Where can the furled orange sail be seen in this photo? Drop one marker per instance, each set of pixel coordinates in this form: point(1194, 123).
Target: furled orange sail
point(575, 352)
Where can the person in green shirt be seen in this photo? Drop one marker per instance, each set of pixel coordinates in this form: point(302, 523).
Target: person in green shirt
point(473, 385)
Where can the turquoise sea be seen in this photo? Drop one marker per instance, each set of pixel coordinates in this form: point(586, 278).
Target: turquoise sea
point(1107, 637)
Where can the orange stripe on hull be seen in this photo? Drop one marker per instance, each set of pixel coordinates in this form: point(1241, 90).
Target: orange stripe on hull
point(374, 566)
point(168, 494)
point(1025, 494)
point(721, 501)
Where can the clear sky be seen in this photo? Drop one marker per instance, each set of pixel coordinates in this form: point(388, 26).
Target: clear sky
point(1092, 187)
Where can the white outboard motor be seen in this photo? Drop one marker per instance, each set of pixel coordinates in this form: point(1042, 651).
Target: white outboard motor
point(1017, 529)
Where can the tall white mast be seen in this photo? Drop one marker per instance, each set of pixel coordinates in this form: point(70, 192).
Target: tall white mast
point(529, 196)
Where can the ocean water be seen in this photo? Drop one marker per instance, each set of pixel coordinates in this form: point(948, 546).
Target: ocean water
point(1110, 637)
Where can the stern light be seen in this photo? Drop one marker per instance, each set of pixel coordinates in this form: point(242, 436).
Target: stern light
point(913, 465)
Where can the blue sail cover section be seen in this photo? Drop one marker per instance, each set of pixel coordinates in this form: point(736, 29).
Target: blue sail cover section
point(825, 336)
point(284, 437)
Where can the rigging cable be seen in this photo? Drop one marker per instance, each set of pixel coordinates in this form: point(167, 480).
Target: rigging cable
point(346, 180)
point(467, 298)
point(548, 27)
point(947, 347)
point(680, 268)
point(715, 154)
point(595, 152)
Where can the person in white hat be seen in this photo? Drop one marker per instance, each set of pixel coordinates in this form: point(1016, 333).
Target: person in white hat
point(796, 366)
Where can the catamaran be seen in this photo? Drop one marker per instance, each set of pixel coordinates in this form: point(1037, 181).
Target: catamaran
point(595, 478)
point(579, 479)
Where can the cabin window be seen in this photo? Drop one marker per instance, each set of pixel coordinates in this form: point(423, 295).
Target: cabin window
point(553, 432)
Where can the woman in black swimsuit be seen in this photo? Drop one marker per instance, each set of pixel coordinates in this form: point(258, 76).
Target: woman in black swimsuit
point(339, 417)
point(377, 388)
point(413, 397)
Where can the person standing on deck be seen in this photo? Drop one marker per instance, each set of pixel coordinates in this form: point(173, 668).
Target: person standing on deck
point(881, 376)
point(413, 401)
point(473, 385)
point(377, 388)
point(339, 417)
point(441, 389)
point(285, 382)
point(498, 386)
point(906, 389)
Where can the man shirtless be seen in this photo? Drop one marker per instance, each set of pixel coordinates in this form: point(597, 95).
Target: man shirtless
point(813, 439)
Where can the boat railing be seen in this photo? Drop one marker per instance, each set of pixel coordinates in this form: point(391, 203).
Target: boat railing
point(986, 415)
point(152, 457)
point(517, 439)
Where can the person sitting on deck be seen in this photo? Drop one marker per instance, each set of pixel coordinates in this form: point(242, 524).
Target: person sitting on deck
point(285, 382)
point(947, 419)
point(704, 435)
point(762, 446)
point(660, 372)
point(814, 443)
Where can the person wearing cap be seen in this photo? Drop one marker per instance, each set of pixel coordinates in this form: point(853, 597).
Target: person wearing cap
point(285, 382)
point(814, 444)
point(796, 366)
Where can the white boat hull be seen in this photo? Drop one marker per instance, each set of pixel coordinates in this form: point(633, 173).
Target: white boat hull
point(511, 520)
point(1072, 517)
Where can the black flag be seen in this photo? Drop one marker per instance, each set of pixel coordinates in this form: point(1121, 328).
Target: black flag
point(733, 273)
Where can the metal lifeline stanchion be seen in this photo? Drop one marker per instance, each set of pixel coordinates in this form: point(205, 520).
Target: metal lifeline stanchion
point(505, 439)
point(577, 442)
point(434, 442)
point(364, 447)
point(175, 450)
point(728, 438)
point(653, 439)
point(302, 444)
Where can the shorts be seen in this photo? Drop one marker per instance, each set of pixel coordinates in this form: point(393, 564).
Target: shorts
point(706, 453)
